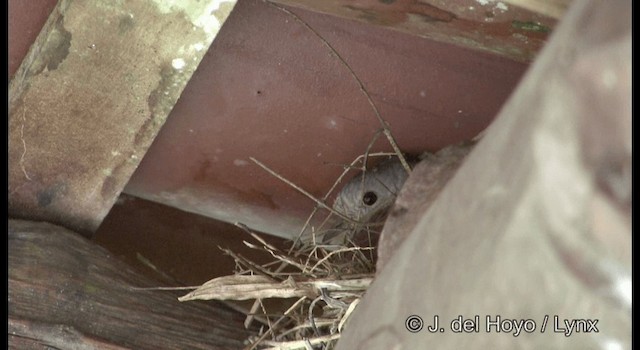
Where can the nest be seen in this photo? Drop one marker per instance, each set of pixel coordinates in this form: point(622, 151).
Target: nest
point(326, 282)
point(320, 283)
point(326, 286)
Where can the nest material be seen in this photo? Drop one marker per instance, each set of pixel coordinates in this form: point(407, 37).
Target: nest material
point(327, 283)
point(324, 283)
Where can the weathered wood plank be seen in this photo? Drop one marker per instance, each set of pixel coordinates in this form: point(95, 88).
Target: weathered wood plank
point(91, 95)
point(490, 26)
point(65, 292)
point(535, 226)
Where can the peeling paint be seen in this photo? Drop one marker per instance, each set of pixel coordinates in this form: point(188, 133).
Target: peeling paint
point(206, 15)
point(530, 26)
point(96, 87)
point(54, 50)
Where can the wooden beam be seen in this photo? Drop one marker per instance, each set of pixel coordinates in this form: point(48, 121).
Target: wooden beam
point(491, 26)
point(67, 293)
point(91, 95)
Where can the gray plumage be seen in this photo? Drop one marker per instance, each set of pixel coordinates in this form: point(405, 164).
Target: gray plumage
point(369, 195)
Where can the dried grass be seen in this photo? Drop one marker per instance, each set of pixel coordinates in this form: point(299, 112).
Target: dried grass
point(327, 280)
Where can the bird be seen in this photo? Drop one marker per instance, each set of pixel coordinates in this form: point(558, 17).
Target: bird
point(366, 200)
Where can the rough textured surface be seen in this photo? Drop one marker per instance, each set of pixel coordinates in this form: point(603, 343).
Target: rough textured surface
point(537, 221)
point(551, 8)
point(420, 190)
point(490, 26)
point(90, 97)
point(293, 106)
point(67, 293)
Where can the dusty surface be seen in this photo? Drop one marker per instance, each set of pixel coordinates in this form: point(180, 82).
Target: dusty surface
point(490, 26)
point(419, 192)
point(89, 98)
point(536, 225)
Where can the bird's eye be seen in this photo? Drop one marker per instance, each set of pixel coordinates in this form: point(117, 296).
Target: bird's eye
point(369, 198)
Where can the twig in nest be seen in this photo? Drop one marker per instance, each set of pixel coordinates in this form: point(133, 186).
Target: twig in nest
point(299, 189)
point(272, 327)
point(337, 278)
point(361, 158)
point(343, 250)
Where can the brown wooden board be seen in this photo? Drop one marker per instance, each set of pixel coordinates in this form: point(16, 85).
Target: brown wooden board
point(67, 293)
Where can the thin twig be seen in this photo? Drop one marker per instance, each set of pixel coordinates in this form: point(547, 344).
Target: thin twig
point(272, 327)
point(255, 236)
point(252, 311)
point(333, 187)
point(339, 251)
point(250, 264)
point(310, 315)
point(299, 189)
point(383, 123)
point(165, 288)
